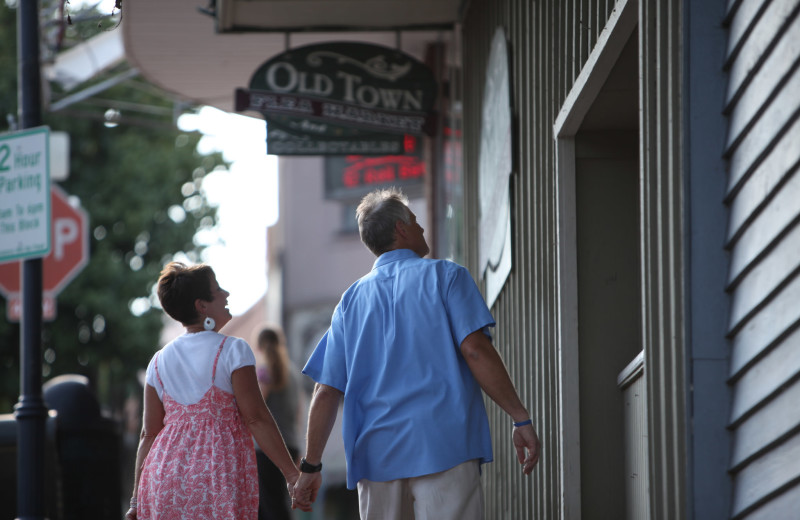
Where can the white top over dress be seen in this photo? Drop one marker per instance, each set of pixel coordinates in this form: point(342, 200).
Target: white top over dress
point(186, 362)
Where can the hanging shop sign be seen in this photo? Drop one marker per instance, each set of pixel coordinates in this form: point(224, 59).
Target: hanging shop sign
point(494, 171)
point(343, 91)
point(350, 177)
point(286, 108)
point(303, 138)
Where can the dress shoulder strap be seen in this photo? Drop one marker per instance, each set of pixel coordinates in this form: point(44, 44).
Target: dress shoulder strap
point(219, 351)
point(158, 376)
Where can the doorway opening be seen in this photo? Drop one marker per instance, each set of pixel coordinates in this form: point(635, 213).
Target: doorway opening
point(597, 155)
point(608, 280)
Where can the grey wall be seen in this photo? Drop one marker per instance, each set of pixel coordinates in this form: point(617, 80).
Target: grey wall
point(549, 45)
point(549, 42)
point(763, 194)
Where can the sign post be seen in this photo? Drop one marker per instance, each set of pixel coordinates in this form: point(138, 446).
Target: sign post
point(30, 412)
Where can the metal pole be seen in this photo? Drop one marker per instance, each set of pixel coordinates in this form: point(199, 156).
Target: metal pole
point(30, 411)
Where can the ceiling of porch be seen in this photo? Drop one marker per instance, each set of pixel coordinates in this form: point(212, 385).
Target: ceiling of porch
point(303, 15)
point(182, 47)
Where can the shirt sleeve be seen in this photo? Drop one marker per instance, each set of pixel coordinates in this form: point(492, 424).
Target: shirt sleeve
point(236, 354)
point(466, 307)
point(150, 377)
point(327, 363)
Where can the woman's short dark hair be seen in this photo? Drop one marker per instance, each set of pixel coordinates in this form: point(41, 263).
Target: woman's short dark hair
point(377, 215)
point(179, 286)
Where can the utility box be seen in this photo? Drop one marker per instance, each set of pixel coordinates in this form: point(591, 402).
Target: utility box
point(88, 447)
point(8, 468)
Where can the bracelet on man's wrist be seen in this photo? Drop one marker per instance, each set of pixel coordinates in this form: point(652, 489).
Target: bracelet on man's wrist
point(523, 423)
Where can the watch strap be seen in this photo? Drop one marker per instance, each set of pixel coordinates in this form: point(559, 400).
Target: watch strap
point(305, 467)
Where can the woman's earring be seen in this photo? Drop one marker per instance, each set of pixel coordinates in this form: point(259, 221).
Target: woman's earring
point(209, 323)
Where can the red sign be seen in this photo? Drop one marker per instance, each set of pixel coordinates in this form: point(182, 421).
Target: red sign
point(69, 254)
point(352, 176)
point(381, 170)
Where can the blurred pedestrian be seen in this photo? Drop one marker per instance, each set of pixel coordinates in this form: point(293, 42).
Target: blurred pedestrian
point(202, 408)
point(281, 389)
point(409, 351)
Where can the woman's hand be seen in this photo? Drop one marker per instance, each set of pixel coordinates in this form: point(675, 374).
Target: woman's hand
point(131, 514)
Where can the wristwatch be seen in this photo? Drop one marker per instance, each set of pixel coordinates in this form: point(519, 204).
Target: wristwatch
point(305, 467)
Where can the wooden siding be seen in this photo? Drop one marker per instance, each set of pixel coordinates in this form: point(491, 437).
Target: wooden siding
point(763, 109)
point(549, 43)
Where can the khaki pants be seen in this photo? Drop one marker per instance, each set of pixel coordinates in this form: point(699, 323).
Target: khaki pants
point(455, 494)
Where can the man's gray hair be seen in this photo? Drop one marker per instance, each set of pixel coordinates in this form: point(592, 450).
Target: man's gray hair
point(377, 215)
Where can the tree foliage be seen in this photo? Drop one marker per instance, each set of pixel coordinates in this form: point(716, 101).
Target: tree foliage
point(140, 185)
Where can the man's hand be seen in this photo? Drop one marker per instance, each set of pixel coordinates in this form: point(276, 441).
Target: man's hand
point(305, 491)
point(525, 439)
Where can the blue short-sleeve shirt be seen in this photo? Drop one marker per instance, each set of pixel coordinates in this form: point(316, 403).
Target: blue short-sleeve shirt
point(411, 404)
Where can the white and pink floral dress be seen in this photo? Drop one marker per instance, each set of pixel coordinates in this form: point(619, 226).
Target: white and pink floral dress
point(202, 463)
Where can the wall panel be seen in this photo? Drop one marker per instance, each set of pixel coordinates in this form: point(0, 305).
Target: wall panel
point(764, 237)
point(549, 42)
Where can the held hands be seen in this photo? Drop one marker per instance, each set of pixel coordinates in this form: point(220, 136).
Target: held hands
point(525, 439)
point(304, 491)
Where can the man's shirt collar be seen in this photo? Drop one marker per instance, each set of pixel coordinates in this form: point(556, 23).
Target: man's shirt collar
point(394, 256)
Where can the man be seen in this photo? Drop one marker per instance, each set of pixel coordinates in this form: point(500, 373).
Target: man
point(409, 351)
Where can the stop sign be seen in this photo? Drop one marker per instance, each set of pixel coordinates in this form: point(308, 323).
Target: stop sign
point(69, 254)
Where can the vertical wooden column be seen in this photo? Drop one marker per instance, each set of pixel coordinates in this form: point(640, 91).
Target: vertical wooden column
point(662, 229)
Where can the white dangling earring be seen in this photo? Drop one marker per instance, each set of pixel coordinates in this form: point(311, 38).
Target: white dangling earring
point(209, 323)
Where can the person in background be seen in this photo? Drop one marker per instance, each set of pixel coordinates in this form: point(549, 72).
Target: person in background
point(281, 389)
point(409, 351)
point(202, 408)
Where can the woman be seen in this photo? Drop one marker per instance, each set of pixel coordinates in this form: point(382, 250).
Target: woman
point(202, 408)
point(280, 388)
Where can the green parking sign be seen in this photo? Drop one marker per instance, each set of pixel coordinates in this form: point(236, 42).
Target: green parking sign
point(25, 194)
